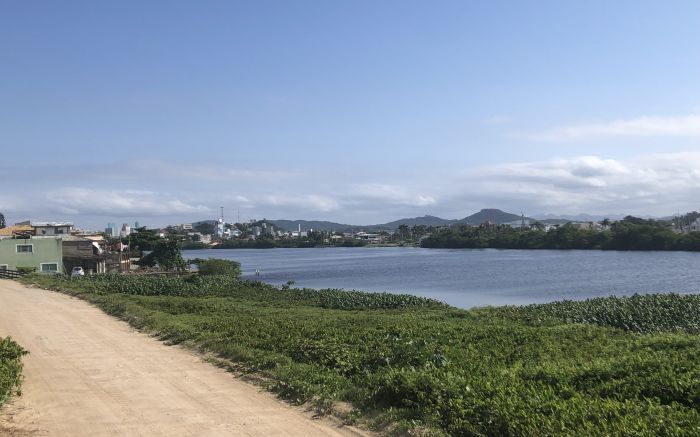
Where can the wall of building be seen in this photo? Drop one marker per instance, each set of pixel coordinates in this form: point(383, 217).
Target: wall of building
point(52, 230)
point(44, 251)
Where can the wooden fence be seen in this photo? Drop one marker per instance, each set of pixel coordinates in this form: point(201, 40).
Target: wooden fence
point(9, 274)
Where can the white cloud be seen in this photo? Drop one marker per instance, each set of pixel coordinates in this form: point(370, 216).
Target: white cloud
point(686, 126)
point(87, 201)
point(391, 194)
point(658, 184)
point(310, 202)
point(651, 184)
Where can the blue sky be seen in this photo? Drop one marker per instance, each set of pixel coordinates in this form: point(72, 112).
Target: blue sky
point(358, 112)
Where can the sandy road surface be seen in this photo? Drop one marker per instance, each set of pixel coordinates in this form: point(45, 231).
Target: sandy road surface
point(89, 374)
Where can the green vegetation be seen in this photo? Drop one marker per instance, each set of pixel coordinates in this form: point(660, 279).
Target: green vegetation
point(166, 255)
point(612, 366)
point(26, 270)
point(205, 228)
point(141, 239)
point(213, 266)
point(2, 220)
point(312, 240)
point(628, 234)
point(10, 368)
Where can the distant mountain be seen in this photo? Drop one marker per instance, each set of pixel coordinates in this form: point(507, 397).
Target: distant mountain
point(493, 215)
point(426, 220)
point(293, 225)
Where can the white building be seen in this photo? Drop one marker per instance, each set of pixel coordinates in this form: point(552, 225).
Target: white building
point(51, 228)
point(695, 226)
point(126, 230)
point(220, 230)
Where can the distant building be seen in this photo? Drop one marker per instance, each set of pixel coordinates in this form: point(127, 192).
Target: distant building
point(126, 230)
point(84, 252)
point(43, 254)
point(220, 229)
point(51, 228)
point(695, 226)
point(369, 237)
point(112, 230)
point(517, 224)
point(199, 237)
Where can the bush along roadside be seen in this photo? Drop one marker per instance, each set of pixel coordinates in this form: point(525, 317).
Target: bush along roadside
point(10, 368)
point(612, 366)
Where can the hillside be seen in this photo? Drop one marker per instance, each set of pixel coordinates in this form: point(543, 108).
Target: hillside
point(316, 225)
point(493, 215)
point(426, 220)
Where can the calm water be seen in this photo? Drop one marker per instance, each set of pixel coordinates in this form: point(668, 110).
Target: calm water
point(467, 278)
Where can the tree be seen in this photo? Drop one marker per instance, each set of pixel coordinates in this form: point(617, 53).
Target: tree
point(166, 254)
point(205, 228)
point(142, 239)
point(2, 221)
point(403, 230)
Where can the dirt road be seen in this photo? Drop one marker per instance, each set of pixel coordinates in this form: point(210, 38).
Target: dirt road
point(89, 374)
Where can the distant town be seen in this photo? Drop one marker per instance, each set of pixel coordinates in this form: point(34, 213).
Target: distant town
point(59, 247)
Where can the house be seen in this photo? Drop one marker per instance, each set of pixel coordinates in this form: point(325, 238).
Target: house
point(199, 237)
point(45, 254)
point(83, 252)
point(50, 228)
point(518, 224)
point(16, 230)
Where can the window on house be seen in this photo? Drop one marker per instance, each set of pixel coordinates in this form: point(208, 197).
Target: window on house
point(49, 267)
point(3, 267)
point(25, 248)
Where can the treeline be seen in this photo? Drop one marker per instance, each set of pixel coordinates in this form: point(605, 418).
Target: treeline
point(631, 233)
point(284, 243)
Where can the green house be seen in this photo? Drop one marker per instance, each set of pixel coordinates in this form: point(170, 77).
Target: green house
point(43, 253)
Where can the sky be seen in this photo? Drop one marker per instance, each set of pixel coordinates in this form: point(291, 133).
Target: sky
point(356, 111)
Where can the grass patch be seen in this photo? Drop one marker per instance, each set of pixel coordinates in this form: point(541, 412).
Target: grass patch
point(612, 366)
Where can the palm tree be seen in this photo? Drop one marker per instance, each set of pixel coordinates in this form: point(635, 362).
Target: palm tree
point(2, 221)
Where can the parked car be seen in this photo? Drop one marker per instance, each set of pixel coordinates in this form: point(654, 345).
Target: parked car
point(77, 272)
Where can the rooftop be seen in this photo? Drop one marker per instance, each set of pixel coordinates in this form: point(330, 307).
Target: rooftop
point(51, 224)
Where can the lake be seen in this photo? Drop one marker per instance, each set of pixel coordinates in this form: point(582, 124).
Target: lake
point(467, 278)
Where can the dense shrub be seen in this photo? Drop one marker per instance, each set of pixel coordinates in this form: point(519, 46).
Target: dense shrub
point(10, 368)
point(214, 266)
point(638, 313)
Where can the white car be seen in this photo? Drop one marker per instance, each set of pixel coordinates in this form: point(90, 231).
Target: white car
point(77, 272)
